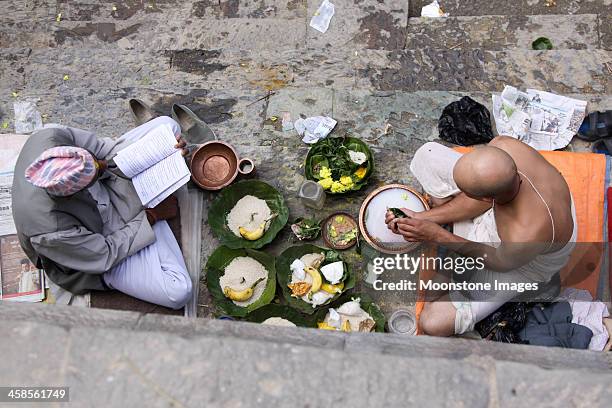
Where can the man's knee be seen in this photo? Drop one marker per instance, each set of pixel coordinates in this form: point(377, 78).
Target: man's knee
point(437, 319)
point(178, 289)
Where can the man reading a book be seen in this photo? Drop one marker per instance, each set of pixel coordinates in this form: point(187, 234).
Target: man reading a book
point(86, 226)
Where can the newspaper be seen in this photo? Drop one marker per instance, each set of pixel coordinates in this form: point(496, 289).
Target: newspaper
point(314, 128)
point(543, 120)
point(20, 280)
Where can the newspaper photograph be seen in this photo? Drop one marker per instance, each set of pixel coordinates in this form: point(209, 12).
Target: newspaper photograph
point(20, 279)
point(543, 120)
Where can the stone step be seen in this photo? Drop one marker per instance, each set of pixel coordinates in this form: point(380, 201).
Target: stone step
point(500, 33)
point(74, 318)
point(560, 71)
point(235, 115)
point(514, 8)
point(383, 31)
point(250, 25)
point(117, 367)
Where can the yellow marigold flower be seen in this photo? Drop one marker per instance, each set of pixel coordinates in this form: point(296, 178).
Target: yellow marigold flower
point(325, 172)
point(361, 172)
point(347, 181)
point(337, 187)
point(326, 183)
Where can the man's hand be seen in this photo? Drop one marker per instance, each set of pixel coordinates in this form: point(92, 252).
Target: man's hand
point(417, 230)
point(181, 144)
point(391, 220)
point(165, 210)
point(409, 213)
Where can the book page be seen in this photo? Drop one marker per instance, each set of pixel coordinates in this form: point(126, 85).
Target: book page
point(154, 147)
point(162, 179)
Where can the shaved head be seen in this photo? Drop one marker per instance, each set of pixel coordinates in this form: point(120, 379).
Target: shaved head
point(485, 172)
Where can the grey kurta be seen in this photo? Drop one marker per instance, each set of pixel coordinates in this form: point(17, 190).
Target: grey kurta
point(67, 236)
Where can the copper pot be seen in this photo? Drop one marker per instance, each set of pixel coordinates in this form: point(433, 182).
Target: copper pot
point(216, 164)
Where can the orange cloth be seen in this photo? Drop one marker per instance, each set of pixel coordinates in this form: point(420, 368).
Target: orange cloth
point(585, 174)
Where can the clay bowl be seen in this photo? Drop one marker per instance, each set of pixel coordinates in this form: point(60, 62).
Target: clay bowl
point(351, 223)
point(215, 165)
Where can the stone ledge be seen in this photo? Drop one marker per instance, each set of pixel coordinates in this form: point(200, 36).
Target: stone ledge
point(106, 366)
point(382, 344)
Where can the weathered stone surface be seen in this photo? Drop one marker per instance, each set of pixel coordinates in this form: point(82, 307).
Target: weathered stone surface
point(605, 31)
point(32, 357)
point(562, 71)
point(388, 344)
point(112, 367)
point(359, 24)
point(503, 32)
point(518, 7)
point(519, 385)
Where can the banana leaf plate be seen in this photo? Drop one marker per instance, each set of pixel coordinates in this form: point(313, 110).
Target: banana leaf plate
point(283, 271)
point(284, 311)
point(367, 304)
point(227, 199)
point(215, 268)
point(334, 154)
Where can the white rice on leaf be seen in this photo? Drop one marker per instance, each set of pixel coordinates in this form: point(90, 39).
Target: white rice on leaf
point(240, 274)
point(278, 321)
point(249, 212)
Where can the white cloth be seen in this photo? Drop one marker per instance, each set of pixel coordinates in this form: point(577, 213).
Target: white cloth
point(157, 273)
point(589, 313)
point(433, 166)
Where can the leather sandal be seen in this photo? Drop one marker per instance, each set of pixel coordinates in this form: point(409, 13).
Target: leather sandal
point(194, 130)
point(141, 112)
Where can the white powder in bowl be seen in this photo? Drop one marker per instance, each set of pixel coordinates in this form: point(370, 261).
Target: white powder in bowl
point(241, 273)
point(278, 321)
point(249, 212)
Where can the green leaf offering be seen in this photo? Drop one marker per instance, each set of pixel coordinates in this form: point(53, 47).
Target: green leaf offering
point(285, 312)
point(339, 164)
point(215, 269)
point(284, 275)
point(397, 213)
point(306, 228)
point(367, 304)
point(227, 199)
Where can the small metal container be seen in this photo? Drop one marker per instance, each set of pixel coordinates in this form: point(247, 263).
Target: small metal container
point(403, 321)
point(312, 195)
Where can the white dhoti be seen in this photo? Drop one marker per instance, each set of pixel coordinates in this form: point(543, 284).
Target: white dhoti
point(156, 273)
point(433, 166)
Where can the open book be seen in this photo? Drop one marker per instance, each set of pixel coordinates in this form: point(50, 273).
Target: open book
point(155, 166)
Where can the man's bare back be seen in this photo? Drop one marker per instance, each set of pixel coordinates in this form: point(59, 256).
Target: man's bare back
point(526, 219)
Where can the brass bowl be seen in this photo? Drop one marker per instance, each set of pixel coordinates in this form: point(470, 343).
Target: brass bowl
point(400, 248)
point(215, 164)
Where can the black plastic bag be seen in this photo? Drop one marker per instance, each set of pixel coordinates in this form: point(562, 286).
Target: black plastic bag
point(504, 324)
point(465, 122)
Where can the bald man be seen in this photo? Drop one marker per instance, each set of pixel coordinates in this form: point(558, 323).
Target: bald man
point(508, 205)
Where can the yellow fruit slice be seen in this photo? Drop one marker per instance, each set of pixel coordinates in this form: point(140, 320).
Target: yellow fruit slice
point(332, 289)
